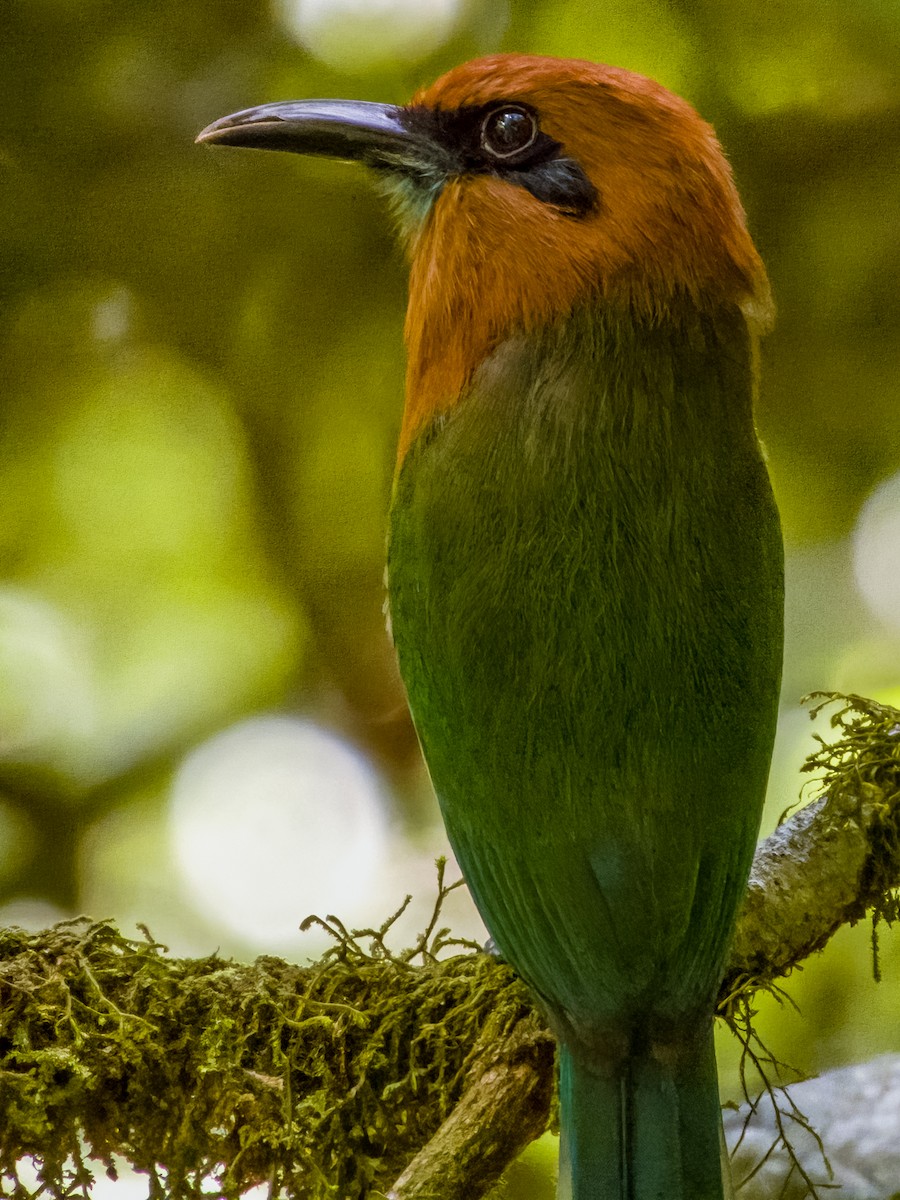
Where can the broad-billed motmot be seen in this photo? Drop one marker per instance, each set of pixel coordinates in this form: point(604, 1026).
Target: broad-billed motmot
point(585, 563)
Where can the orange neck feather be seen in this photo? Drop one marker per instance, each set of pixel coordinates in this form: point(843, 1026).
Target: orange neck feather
point(491, 259)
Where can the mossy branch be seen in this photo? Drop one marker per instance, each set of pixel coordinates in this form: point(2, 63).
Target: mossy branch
point(836, 859)
point(369, 1073)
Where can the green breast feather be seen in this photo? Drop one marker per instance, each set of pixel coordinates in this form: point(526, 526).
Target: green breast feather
point(585, 576)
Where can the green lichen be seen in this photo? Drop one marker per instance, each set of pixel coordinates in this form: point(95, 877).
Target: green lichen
point(322, 1080)
point(863, 766)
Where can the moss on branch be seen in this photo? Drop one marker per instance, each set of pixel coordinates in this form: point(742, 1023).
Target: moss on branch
point(368, 1073)
point(323, 1080)
point(835, 860)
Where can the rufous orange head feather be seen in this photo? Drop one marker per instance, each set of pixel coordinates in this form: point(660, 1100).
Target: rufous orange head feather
point(528, 186)
point(666, 223)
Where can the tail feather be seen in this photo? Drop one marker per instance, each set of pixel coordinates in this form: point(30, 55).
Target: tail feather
point(645, 1130)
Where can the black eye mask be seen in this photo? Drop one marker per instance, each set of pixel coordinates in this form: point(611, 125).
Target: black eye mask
point(505, 139)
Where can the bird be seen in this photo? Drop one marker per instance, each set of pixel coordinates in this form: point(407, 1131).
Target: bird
point(585, 564)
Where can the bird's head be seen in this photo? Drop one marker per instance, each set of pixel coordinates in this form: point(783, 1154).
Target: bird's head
point(528, 186)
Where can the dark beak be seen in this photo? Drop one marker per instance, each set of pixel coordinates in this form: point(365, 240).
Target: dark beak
point(374, 134)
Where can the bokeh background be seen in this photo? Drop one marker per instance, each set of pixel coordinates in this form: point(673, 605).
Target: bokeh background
point(201, 722)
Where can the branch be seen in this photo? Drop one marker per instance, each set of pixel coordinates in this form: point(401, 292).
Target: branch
point(833, 861)
point(478, 1141)
point(369, 1073)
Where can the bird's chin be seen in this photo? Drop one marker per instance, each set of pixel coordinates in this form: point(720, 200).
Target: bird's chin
point(411, 199)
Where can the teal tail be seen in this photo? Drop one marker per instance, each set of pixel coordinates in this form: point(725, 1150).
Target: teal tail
point(646, 1130)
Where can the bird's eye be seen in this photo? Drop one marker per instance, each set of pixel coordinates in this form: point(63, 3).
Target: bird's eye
point(507, 131)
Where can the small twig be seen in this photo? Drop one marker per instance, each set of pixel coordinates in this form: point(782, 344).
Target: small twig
point(477, 1142)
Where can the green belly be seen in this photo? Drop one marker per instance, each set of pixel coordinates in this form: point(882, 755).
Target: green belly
point(585, 589)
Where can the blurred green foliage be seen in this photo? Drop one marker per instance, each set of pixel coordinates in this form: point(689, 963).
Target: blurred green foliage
point(201, 378)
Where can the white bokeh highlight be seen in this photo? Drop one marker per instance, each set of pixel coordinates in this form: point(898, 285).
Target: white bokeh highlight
point(274, 819)
point(50, 698)
point(354, 35)
point(876, 552)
